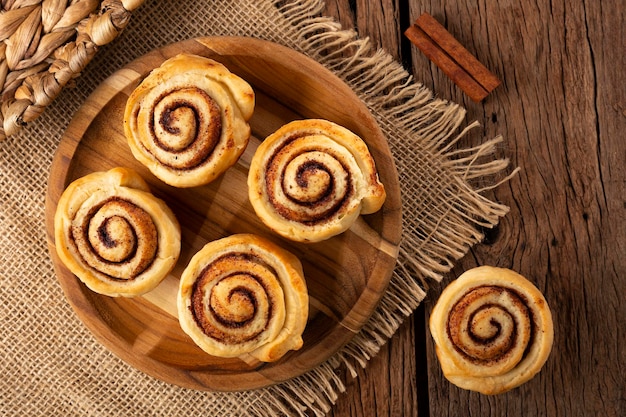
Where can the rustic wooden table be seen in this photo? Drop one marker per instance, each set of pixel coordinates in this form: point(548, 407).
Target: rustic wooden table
point(562, 111)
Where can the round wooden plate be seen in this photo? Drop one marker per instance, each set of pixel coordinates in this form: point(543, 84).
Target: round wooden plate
point(346, 275)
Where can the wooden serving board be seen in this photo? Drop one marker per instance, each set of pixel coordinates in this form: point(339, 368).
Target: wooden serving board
point(346, 275)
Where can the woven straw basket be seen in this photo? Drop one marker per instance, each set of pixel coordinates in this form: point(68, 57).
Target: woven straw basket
point(46, 43)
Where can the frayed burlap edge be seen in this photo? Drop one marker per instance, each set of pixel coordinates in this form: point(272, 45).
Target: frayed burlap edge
point(437, 233)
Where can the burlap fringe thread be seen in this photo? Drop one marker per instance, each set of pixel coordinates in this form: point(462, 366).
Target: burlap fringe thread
point(433, 236)
point(44, 44)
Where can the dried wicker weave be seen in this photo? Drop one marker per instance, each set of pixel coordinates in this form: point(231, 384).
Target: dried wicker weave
point(46, 43)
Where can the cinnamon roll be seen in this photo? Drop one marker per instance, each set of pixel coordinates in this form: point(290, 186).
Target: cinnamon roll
point(310, 180)
point(492, 330)
point(114, 235)
point(244, 295)
point(188, 120)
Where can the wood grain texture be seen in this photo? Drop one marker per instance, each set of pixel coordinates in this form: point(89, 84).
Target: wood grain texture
point(346, 275)
point(562, 111)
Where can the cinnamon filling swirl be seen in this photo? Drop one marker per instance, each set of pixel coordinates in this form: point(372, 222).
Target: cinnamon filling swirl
point(491, 326)
point(233, 297)
point(308, 184)
point(116, 238)
point(185, 125)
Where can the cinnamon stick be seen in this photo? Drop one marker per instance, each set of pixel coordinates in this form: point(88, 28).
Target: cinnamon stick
point(451, 57)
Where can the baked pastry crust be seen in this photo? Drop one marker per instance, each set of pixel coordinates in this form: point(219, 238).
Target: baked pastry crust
point(493, 330)
point(244, 295)
point(311, 179)
point(187, 121)
point(114, 235)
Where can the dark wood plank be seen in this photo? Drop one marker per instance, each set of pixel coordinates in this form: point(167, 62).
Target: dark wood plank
point(387, 386)
point(561, 110)
point(377, 20)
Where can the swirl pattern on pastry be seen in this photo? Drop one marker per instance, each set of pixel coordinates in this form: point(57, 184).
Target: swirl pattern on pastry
point(114, 235)
point(188, 120)
point(493, 330)
point(310, 180)
point(244, 295)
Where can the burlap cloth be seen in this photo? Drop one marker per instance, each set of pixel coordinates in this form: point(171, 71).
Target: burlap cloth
point(50, 364)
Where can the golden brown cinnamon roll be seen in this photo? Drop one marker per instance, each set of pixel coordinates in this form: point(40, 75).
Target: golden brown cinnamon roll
point(187, 120)
point(310, 180)
point(492, 329)
point(114, 235)
point(244, 295)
